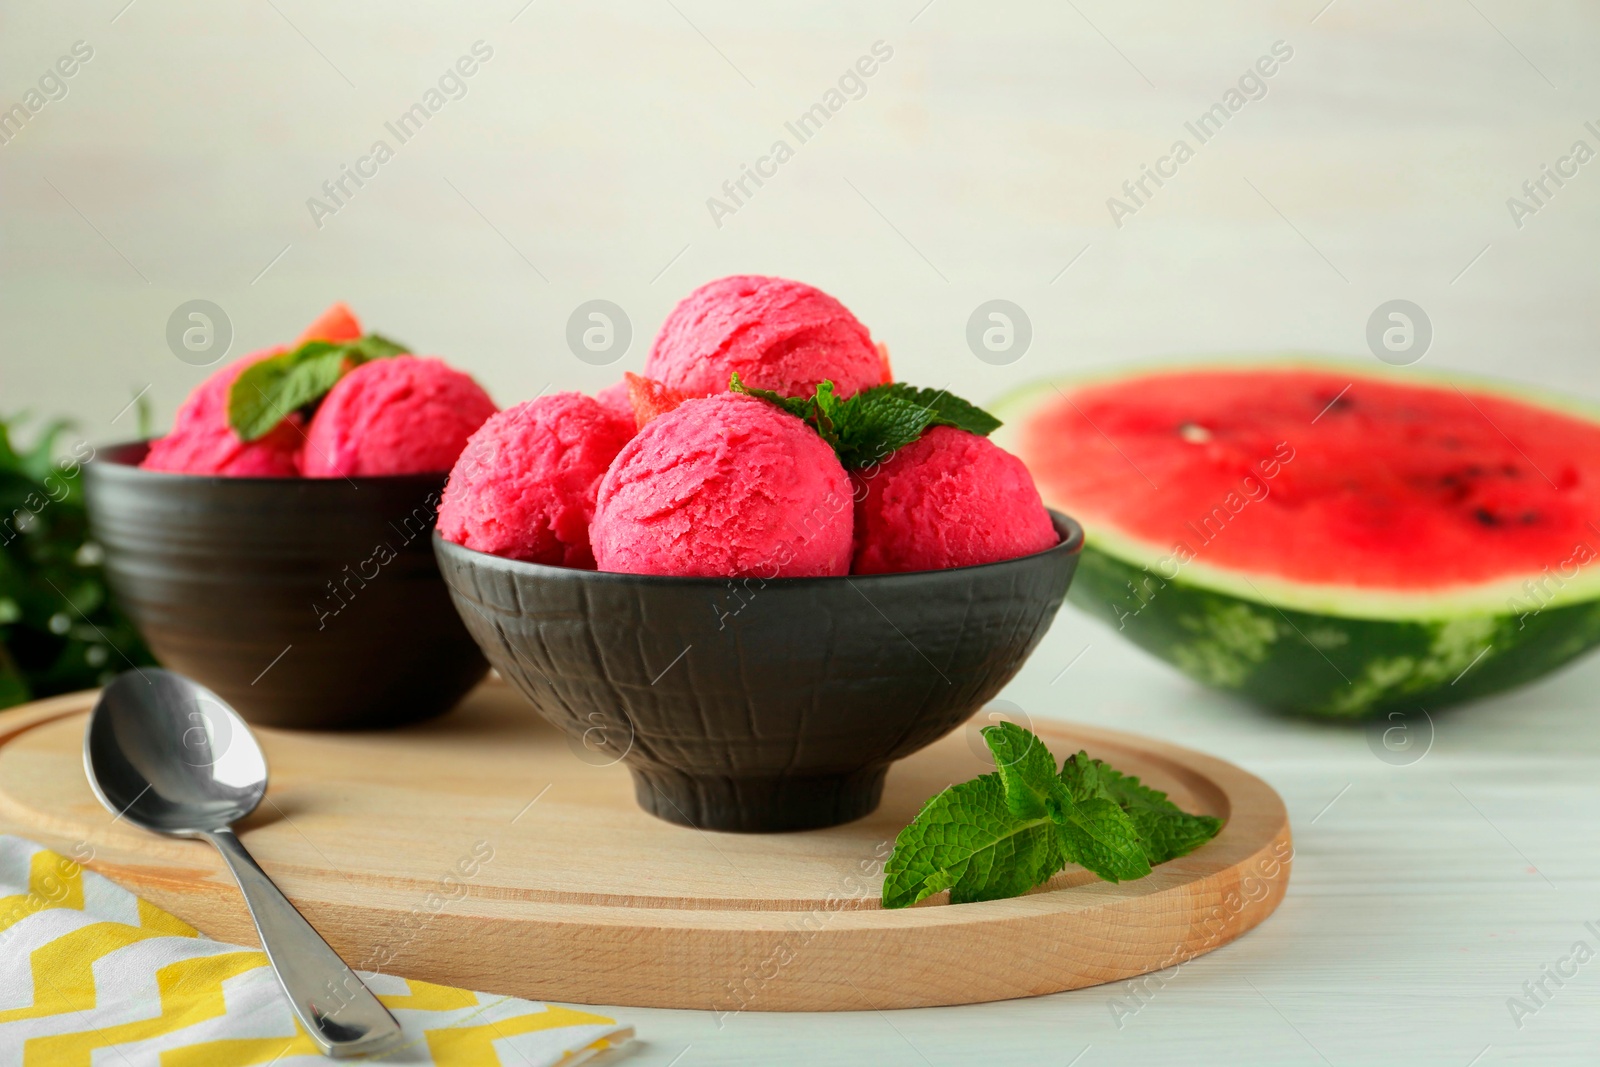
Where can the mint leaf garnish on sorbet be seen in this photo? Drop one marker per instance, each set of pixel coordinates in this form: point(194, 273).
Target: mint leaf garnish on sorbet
point(376, 346)
point(266, 392)
point(873, 424)
point(946, 409)
point(1003, 833)
point(798, 406)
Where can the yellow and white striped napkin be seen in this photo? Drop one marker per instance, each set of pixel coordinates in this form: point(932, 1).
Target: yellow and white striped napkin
point(92, 976)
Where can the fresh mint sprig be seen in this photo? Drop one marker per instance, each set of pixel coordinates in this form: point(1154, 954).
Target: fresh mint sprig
point(264, 394)
point(874, 423)
point(1001, 834)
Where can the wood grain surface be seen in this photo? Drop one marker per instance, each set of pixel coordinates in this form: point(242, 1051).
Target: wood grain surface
point(483, 850)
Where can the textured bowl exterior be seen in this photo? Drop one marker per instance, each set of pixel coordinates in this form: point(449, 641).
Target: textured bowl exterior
point(758, 705)
point(311, 603)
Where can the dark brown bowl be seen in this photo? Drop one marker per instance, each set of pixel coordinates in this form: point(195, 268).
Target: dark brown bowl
point(312, 603)
point(758, 705)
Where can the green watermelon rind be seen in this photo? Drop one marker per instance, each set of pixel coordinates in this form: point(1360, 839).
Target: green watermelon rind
point(1329, 652)
point(1322, 664)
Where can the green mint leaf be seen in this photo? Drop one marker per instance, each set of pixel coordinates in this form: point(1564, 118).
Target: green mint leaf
point(943, 408)
point(1097, 833)
point(829, 406)
point(1004, 833)
point(1166, 830)
point(376, 346)
point(1027, 770)
point(875, 423)
point(1082, 777)
point(267, 391)
point(799, 406)
point(876, 427)
point(967, 840)
point(827, 412)
point(1100, 837)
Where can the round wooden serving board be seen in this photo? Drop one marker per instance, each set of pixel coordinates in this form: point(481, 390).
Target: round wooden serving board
point(481, 850)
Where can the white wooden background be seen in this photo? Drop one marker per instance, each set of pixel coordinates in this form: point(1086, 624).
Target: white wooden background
point(977, 165)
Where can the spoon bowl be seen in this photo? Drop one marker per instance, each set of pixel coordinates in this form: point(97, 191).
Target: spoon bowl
point(170, 756)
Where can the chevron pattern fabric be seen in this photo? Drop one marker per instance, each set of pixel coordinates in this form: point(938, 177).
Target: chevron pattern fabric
point(92, 976)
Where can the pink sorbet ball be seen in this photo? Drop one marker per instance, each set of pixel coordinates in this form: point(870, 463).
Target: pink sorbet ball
point(202, 442)
point(948, 499)
point(524, 486)
point(615, 399)
point(726, 486)
point(777, 334)
point(405, 415)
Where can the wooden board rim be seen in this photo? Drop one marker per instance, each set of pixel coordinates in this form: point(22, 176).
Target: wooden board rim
point(672, 955)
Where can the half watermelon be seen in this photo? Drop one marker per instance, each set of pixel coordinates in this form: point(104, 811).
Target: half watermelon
point(1326, 538)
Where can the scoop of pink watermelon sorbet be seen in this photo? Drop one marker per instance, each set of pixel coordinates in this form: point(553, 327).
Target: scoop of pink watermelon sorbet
point(725, 486)
point(524, 486)
point(202, 442)
point(948, 499)
point(405, 415)
point(614, 398)
point(776, 334)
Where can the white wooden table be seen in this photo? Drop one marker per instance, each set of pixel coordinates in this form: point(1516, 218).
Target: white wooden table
point(977, 164)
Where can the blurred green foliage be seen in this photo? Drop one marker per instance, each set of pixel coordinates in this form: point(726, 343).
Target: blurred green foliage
point(58, 629)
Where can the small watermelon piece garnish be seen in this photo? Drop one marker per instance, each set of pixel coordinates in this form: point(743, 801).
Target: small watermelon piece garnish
point(338, 324)
point(883, 354)
point(650, 398)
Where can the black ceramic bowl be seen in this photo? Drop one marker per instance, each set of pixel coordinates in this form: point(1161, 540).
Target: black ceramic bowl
point(751, 705)
point(313, 603)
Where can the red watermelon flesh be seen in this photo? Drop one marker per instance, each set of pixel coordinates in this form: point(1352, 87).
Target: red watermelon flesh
point(338, 324)
point(1321, 476)
point(650, 399)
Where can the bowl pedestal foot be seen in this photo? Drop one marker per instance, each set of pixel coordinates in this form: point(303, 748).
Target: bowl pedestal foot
point(757, 805)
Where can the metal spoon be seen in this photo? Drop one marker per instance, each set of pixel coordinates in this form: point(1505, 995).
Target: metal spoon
point(172, 757)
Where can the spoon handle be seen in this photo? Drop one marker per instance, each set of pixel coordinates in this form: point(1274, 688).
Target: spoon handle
point(338, 1010)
